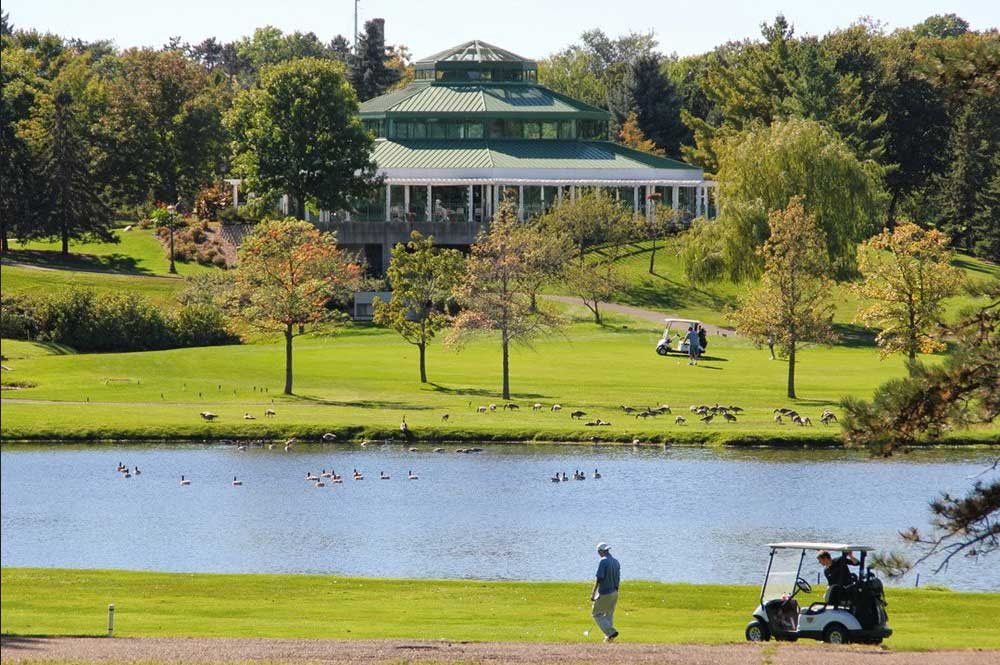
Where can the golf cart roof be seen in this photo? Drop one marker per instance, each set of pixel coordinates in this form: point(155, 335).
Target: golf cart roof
point(830, 547)
point(681, 321)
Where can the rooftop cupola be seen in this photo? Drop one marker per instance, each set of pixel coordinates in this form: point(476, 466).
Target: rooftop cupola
point(476, 62)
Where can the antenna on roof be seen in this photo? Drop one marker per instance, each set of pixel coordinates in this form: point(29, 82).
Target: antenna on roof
point(356, 26)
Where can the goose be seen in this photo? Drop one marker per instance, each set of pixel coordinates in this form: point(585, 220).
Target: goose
point(403, 427)
point(185, 481)
point(556, 478)
point(444, 418)
point(242, 446)
point(414, 450)
point(137, 471)
point(270, 446)
point(382, 475)
point(564, 478)
point(557, 407)
point(597, 475)
point(329, 436)
point(208, 415)
point(311, 476)
point(249, 416)
point(412, 476)
point(269, 413)
point(480, 409)
point(706, 418)
point(439, 450)
point(729, 417)
point(636, 442)
point(127, 474)
point(680, 420)
point(320, 483)
point(236, 482)
point(537, 406)
point(326, 474)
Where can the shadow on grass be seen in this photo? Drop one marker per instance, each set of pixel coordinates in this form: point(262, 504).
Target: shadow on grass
point(967, 264)
point(364, 403)
point(482, 392)
point(854, 336)
point(57, 349)
point(117, 263)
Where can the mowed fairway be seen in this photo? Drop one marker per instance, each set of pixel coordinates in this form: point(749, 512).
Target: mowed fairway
point(40, 601)
point(361, 381)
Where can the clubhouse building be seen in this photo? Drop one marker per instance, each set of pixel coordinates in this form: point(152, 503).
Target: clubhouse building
point(475, 129)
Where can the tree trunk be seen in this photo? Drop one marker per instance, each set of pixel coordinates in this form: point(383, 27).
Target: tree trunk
point(791, 370)
point(652, 258)
point(423, 366)
point(505, 343)
point(890, 222)
point(534, 302)
point(288, 359)
point(4, 246)
point(597, 312)
point(64, 232)
point(173, 268)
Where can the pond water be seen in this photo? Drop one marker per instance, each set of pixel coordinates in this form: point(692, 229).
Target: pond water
point(681, 514)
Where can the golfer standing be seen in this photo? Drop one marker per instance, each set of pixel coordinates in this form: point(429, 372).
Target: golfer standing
point(605, 592)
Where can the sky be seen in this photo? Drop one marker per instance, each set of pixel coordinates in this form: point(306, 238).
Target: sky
point(531, 28)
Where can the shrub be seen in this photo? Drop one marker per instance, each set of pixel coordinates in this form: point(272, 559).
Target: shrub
point(211, 201)
point(88, 321)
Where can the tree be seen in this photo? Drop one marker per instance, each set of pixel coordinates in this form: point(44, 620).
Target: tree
point(370, 75)
point(19, 88)
point(287, 274)
point(631, 135)
point(792, 303)
point(595, 281)
point(664, 220)
point(942, 26)
point(574, 72)
point(493, 290)
point(298, 133)
point(657, 104)
point(934, 399)
point(547, 254)
point(592, 218)
point(907, 275)
point(163, 129)
point(761, 171)
point(74, 204)
point(422, 278)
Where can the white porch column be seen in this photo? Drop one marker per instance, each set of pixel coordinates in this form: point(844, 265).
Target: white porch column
point(406, 202)
point(635, 200)
point(388, 202)
point(572, 192)
point(496, 198)
point(520, 202)
point(236, 195)
point(430, 205)
point(559, 195)
point(675, 197)
point(470, 204)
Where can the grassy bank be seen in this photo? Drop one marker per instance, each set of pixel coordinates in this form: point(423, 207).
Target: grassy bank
point(362, 381)
point(74, 602)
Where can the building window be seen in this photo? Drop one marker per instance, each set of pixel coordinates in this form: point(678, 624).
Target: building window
point(550, 129)
point(532, 130)
point(593, 129)
point(495, 129)
point(513, 129)
point(566, 129)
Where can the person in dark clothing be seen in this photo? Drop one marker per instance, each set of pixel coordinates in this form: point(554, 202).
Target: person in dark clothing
point(837, 573)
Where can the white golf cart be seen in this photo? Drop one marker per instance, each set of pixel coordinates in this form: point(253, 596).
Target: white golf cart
point(674, 338)
point(854, 613)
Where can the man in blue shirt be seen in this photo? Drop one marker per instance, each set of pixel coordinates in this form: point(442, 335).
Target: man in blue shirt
point(605, 592)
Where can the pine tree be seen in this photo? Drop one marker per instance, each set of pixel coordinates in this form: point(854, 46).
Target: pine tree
point(370, 75)
point(75, 208)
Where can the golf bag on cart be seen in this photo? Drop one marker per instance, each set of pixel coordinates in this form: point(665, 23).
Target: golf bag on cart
point(869, 602)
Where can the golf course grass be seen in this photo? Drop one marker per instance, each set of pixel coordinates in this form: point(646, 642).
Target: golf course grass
point(361, 381)
point(43, 601)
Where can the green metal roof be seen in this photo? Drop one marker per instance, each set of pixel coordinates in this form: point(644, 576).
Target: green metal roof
point(527, 154)
point(426, 99)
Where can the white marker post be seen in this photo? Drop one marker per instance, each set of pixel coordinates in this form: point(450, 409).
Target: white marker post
point(111, 620)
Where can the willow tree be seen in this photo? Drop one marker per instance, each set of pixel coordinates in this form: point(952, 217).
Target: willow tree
point(494, 290)
point(287, 275)
point(907, 275)
point(762, 169)
point(792, 302)
point(422, 278)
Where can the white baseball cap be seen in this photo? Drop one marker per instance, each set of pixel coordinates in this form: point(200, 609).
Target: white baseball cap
point(603, 547)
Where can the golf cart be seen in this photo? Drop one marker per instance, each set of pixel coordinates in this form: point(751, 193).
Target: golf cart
point(674, 338)
point(854, 613)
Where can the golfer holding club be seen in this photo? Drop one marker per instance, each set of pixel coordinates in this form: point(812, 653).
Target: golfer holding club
point(605, 592)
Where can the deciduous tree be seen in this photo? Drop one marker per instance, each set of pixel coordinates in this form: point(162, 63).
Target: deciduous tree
point(595, 281)
point(493, 293)
point(287, 274)
point(792, 302)
point(592, 218)
point(298, 133)
point(907, 275)
point(422, 278)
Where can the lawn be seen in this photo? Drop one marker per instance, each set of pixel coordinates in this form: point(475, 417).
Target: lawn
point(668, 290)
point(361, 381)
point(136, 263)
point(40, 601)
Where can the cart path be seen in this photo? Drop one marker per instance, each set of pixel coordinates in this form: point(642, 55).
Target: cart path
point(639, 313)
point(207, 650)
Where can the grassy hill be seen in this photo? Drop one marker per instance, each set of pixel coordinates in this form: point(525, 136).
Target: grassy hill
point(137, 262)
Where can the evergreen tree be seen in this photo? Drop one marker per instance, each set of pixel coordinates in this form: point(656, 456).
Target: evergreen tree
point(370, 75)
point(74, 207)
point(657, 104)
point(19, 89)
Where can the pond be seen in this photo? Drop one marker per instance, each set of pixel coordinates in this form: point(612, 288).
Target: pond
point(678, 514)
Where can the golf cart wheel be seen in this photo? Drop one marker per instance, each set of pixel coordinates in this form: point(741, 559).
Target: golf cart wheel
point(757, 632)
point(835, 634)
point(662, 350)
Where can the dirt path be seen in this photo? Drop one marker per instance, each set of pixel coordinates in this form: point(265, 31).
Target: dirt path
point(414, 651)
point(639, 313)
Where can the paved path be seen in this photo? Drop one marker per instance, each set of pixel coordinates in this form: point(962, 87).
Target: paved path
point(204, 650)
point(639, 313)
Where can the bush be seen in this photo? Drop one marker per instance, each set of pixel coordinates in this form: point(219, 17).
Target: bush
point(88, 321)
point(211, 201)
point(17, 318)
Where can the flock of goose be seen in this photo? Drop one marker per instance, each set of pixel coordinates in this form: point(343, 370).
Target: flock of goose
point(577, 475)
